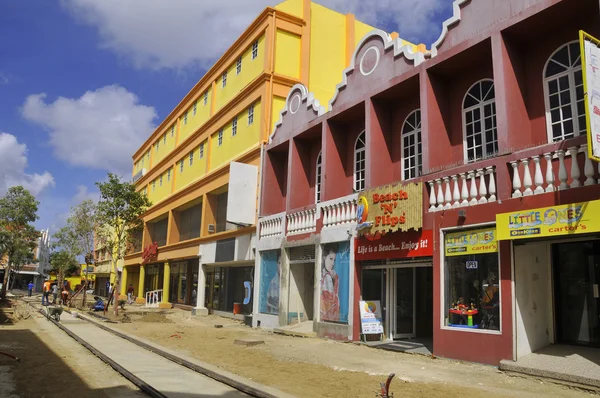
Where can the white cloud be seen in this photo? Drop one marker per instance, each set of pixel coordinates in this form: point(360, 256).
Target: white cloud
point(84, 194)
point(3, 79)
point(13, 162)
point(101, 129)
point(160, 34)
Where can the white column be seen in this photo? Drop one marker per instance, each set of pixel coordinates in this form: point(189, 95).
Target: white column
point(432, 199)
point(537, 177)
point(562, 170)
point(549, 173)
point(527, 183)
point(200, 308)
point(464, 192)
point(575, 173)
point(440, 194)
point(588, 170)
point(447, 193)
point(516, 180)
point(492, 183)
point(482, 187)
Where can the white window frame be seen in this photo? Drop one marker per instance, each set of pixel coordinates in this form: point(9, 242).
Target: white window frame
point(224, 79)
point(250, 114)
point(185, 117)
point(205, 98)
point(570, 73)
point(255, 49)
point(165, 139)
point(194, 108)
point(238, 65)
point(191, 157)
point(153, 185)
point(234, 125)
point(201, 151)
point(481, 105)
point(318, 177)
point(416, 133)
point(220, 137)
point(181, 166)
point(160, 181)
point(172, 131)
point(359, 183)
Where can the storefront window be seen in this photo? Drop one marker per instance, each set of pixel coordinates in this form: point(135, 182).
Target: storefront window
point(270, 268)
point(472, 285)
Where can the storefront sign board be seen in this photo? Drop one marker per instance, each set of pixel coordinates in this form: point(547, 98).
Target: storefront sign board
point(370, 317)
point(470, 242)
point(590, 50)
point(390, 208)
point(394, 245)
point(571, 219)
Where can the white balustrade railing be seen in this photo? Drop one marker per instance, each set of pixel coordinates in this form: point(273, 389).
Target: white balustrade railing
point(302, 222)
point(272, 225)
point(338, 211)
point(463, 189)
point(523, 184)
point(153, 298)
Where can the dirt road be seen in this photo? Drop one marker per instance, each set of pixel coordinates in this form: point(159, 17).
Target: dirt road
point(322, 368)
point(54, 365)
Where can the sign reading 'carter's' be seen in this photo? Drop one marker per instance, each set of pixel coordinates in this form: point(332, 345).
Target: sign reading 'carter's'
point(391, 208)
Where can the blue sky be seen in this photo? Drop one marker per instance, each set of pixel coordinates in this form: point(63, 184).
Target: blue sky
point(84, 82)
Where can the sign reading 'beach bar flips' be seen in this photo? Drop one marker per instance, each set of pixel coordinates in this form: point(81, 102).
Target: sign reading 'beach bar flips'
point(572, 219)
point(390, 208)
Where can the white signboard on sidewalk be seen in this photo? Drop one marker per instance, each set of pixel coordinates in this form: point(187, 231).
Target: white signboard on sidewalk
point(592, 87)
point(370, 317)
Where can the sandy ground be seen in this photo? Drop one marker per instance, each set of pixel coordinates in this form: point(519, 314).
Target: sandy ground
point(53, 365)
point(322, 368)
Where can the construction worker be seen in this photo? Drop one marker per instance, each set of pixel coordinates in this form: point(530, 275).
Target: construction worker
point(46, 293)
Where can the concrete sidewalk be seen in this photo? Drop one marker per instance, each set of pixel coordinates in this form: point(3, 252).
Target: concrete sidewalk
point(163, 375)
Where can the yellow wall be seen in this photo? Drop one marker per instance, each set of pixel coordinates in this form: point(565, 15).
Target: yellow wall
point(193, 172)
point(158, 191)
point(164, 144)
point(360, 31)
point(327, 51)
point(293, 7)
point(277, 106)
point(246, 137)
point(287, 54)
point(195, 121)
point(142, 163)
point(251, 68)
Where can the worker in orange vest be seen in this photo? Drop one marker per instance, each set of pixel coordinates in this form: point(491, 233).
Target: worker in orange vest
point(46, 293)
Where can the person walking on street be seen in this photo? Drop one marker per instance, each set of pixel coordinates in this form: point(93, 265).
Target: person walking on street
point(111, 294)
point(54, 293)
point(65, 296)
point(130, 294)
point(46, 293)
point(30, 288)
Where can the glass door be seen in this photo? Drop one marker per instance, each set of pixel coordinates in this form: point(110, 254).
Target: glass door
point(576, 283)
point(403, 302)
point(373, 288)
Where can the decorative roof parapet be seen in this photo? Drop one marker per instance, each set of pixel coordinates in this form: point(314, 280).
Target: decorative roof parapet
point(400, 49)
point(297, 96)
point(454, 19)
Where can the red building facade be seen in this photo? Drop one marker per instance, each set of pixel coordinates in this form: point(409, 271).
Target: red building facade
point(490, 124)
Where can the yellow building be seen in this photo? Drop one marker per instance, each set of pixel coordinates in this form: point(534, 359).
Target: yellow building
point(77, 280)
point(184, 166)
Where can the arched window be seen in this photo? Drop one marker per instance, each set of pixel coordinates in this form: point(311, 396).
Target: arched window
point(563, 92)
point(479, 121)
point(412, 155)
point(318, 178)
point(359, 163)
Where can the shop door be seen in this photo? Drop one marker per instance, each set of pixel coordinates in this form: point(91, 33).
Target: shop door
point(403, 302)
point(373, 288)
point(576, 282)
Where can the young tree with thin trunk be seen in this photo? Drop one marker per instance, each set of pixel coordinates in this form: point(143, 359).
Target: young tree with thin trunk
point(77, 237)
point(18, 238)
point(64, 264)
point(119, 212)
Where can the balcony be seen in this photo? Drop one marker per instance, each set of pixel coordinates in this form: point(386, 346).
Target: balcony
point(302, 222)
point(338, 211)
point(272, 226)
point(546, 168)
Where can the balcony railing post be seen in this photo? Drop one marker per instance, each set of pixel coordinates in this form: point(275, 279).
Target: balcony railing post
point(455, 192)
point(516, 181)
point(588, 170)
point(575, 173)
point(562, 170)
point(527, 183)
point(492, 183)
point(538, 179)
point(549, 173)
point(464, 192)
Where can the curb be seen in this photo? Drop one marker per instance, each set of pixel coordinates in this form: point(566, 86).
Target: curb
point(238, 382)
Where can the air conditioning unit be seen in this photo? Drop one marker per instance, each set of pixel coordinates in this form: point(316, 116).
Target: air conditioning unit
point(211, 228)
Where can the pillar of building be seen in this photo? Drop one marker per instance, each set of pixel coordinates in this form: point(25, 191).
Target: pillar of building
point(141, 299)
point(123, 287)
point(166, 279)
point(201, 293)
